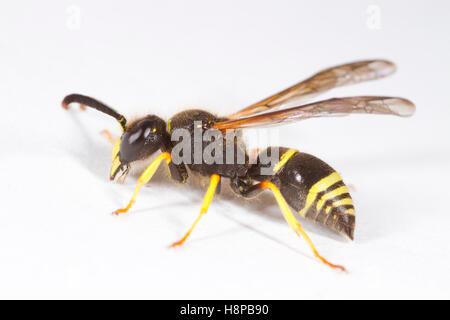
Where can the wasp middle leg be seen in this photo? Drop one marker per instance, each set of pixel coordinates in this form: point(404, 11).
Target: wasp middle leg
point(214, 182)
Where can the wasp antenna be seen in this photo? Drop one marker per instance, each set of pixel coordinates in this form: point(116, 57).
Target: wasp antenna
point(95, 104)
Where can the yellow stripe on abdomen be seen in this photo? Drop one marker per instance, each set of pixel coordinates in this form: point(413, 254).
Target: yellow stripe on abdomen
point(341, 202)
point(283, 159)
point(330, 195)
point(320, 186)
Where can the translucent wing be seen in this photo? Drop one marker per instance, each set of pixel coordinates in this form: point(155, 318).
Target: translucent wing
point(325, 80)
point(332, 107)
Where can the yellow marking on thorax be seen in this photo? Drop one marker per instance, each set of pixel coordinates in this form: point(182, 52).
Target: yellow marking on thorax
point(168, 125)
point(338, 203)
point(318, 187)
point(284, 158)
point(330, 195)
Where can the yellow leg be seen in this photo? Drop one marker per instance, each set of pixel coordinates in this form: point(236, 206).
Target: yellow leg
point(295, 225)
point(144, 178)
point(108, 135)
point(215, 179)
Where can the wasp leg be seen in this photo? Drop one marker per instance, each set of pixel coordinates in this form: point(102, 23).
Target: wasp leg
point(245, 188)
point(292, 221)
point(178, 172)
point(145, 177)
point(215, 179)
point(108, 135)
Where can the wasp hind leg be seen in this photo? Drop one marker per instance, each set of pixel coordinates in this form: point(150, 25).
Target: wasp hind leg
point(292, 221)
point(214, 182)
point(245, 188)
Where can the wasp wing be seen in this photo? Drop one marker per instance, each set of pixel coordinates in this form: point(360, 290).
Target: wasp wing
point(331, 107)
point(325, 80)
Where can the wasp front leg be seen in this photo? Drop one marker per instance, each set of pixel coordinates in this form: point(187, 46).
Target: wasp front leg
point(144, 178)
point(108, 136)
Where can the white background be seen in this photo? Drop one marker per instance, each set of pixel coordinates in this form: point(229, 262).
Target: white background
point(58, 238)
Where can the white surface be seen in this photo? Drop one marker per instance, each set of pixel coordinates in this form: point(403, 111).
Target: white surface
point(58, 238)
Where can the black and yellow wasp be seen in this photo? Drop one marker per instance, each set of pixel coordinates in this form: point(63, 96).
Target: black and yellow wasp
point(298, 180)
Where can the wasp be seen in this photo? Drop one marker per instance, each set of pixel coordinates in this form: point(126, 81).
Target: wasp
point(299, 181)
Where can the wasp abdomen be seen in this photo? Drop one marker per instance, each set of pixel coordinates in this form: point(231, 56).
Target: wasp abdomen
point(316, 191)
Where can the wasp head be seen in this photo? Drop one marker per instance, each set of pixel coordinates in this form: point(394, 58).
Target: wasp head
point(139, 141)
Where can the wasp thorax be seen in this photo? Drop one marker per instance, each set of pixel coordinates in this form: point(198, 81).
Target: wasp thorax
point(142, 138)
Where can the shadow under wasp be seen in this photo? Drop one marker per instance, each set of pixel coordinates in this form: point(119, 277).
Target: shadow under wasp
point(299, 181)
